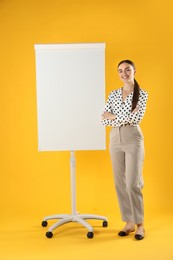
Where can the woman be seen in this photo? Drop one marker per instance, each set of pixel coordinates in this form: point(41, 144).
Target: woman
point(124, 111)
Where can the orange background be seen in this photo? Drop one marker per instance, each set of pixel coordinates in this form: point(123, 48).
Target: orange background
point(38, 183)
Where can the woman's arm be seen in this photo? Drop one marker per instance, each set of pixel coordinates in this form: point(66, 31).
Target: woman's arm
point(137, 114)
point(108, 116)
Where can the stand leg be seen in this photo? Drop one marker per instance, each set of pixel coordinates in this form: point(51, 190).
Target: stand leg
point(73, 182)
point(74, 217)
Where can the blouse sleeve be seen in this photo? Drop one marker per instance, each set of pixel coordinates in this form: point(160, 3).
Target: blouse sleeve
point(135, 118)
point(108, 108)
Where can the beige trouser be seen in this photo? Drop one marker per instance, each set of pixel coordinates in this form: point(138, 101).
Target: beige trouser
point(127, 155)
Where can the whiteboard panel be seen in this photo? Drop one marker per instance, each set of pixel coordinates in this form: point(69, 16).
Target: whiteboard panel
point(70, 80)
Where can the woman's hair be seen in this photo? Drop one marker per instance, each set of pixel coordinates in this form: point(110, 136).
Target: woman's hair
point(136, 85)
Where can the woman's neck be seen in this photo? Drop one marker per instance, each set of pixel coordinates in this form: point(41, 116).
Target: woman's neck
point(129, 87)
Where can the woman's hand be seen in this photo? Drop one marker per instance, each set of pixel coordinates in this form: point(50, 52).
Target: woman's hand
point(136, 109)
point(107, 115)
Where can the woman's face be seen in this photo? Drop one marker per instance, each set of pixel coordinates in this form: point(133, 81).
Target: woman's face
point(126, 72)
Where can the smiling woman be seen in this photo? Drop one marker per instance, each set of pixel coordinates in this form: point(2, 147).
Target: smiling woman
point(124, 110)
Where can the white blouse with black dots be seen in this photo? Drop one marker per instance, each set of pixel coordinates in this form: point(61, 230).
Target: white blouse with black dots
point(122, 110)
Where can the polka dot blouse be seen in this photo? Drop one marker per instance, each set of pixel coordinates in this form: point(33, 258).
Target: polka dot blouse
point(122, 110)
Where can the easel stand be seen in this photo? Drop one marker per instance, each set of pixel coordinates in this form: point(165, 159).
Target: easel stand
point(74, 217)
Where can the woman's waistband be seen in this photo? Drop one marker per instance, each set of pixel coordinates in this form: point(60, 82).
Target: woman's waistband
point(126, 124)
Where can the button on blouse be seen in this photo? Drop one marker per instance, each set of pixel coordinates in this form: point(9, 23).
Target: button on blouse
point(123, 109)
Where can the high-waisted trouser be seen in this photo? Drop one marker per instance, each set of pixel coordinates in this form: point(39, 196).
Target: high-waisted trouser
point(127, 155)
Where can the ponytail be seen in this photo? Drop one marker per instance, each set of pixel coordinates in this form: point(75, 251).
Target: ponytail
point(135, 94)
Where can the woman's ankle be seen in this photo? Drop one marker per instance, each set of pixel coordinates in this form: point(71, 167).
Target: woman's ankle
point(140, 225)
point(130, 224)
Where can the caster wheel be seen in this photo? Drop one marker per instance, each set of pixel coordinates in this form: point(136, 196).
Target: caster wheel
point(105, 223)
point(90, 234)
point(49, 234)
point(44, 224)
